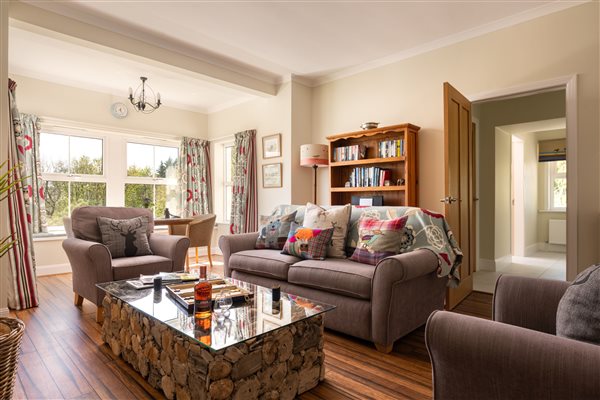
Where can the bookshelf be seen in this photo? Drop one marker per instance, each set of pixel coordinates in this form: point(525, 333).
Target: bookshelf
point(360, 157)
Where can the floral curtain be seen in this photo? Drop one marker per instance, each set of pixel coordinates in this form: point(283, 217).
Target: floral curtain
point(22, 291)
point(29, 156)
point(194, 173)
point(244, 214)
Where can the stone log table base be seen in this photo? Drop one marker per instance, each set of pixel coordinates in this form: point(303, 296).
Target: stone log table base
point(276, 365)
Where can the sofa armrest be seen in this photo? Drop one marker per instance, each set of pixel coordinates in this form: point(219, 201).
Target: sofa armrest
point(172, 247)
point(473, 358)
point(230, 244)
point(387, 301)
point(527, 302)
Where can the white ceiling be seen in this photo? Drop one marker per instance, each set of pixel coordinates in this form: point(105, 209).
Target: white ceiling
point(269, 40)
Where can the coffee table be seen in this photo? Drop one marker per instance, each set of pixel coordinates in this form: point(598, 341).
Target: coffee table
point(262, 349)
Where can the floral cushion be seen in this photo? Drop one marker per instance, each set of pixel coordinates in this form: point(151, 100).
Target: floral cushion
point(274, 231)
point(379, 239)
point(307, 243)
point(336, 218)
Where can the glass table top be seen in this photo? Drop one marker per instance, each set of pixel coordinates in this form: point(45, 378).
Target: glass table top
point(253, 318)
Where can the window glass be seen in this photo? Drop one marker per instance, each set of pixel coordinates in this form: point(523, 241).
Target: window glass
point(228, 164)
point(85, 155)
point(557, 185)
point(165, 161)
point(54, 153)
point(228, 200)
point(87, 194)
point(139, 195)
point(57, 202)
point(140, 159)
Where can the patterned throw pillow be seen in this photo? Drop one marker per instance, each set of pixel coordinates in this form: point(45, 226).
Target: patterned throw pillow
point(336, 218)
point(125, 237)
point(378, 239)
point(307, 243)
point(274, 231)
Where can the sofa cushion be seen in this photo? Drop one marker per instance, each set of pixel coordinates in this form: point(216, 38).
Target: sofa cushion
point(336, 218)
point(274, 231)
point(378, 239)
point(307, 243)
point(340, 276)
point(263, 262)
point(132, 267)
point(578, 316)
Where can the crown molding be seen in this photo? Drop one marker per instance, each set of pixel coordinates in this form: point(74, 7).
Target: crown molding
point(507, 22)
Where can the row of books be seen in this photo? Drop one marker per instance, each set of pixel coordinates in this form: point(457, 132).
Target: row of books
point(391, 148)
point(369, 176)
point(349, 153)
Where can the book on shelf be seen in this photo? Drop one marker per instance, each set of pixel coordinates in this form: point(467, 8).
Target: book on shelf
point(369, 176)
point(391, 148)
point(349, 153)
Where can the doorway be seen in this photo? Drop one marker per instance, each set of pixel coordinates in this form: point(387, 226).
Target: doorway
point(515, 188)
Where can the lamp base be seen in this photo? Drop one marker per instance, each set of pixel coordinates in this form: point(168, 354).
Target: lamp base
point(315, 191)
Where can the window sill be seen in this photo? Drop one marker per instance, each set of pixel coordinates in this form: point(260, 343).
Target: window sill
point(48, 237)
point(553, 211)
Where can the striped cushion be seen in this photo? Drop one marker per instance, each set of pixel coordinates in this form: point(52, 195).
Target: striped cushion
point(307, 243)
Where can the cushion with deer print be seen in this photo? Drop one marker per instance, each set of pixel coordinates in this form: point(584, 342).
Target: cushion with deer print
point(336, 218)
point(307, 243)
point(125, 237)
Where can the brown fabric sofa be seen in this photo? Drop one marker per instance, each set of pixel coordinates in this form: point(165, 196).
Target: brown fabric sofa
point(377, 303)
point(516, 356)
point(91, 261)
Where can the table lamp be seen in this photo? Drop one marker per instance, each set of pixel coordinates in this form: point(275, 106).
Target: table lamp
point(314, 156)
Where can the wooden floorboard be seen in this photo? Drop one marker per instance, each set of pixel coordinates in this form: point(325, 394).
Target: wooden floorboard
point(62, 356)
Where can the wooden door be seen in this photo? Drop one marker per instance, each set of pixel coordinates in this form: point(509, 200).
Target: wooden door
point(459, 184)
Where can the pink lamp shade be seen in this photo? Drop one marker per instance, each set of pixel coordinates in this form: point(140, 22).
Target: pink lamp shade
point(314, 154)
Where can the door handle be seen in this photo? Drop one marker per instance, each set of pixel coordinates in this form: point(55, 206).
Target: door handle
point(448, 200)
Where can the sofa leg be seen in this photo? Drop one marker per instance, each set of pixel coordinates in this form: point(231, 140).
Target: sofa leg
point(99, 314)
point(384, 348)
point(78, 300)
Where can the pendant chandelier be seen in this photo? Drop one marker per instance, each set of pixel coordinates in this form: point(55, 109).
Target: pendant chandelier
point(144, 100)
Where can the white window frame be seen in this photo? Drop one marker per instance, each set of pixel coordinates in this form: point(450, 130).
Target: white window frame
point(226, 184)
point(70, 177)
point(552, 175)
point(149, 180)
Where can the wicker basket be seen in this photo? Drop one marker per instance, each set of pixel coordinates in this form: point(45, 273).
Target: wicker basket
point(11, 332)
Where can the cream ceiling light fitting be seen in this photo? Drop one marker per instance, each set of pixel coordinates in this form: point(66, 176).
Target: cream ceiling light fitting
point(144, 100)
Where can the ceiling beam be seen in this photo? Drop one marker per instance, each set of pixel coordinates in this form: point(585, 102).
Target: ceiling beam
point(35, 19)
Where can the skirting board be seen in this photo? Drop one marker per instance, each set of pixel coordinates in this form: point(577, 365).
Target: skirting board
point(553, 248)
point(503, 262)
point(53, 269)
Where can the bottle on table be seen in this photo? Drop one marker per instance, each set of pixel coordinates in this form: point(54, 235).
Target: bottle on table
point(203, 308)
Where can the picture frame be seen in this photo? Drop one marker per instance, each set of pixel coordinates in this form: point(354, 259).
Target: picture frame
point(272, 175)
point(271, 146)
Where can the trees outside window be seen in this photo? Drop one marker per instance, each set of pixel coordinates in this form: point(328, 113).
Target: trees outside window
point(73, 172)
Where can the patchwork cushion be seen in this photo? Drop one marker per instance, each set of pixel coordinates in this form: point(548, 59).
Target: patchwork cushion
point(307, 243)
point(578, 314)
point(125, 237)
point(336, 218)
point(378, 239)
point(274, 231)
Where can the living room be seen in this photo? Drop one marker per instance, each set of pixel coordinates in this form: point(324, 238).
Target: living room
point(499, 52)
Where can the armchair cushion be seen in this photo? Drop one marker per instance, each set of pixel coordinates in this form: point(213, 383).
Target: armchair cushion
point(578, 314)
point(125, 237)
point(132, 267)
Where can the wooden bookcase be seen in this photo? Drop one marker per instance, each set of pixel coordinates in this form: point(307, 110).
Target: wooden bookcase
point(401, 167)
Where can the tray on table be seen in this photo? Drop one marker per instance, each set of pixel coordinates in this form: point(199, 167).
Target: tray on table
point(183, 293)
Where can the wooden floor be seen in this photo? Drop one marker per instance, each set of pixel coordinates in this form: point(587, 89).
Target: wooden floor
point(63, 357)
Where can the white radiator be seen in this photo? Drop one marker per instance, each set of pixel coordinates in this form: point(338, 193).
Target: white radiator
point(557, 231)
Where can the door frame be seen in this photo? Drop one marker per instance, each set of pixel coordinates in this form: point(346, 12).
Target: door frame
point(569, 82)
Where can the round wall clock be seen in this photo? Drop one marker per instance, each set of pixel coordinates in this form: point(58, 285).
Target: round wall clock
point(119, 110)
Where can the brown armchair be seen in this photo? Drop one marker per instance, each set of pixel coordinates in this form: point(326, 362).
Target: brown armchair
point(200, 232)
point(516, 356)
point(91, 261)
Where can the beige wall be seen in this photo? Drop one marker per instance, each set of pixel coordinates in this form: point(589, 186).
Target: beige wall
point(530, 191)
point(559, 44)
point(502, 195)
point(4, 121)
point(47, 99)
point(543, 106)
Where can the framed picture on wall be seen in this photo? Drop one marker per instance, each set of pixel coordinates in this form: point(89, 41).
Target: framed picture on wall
point(271, 146)
point(271, 175)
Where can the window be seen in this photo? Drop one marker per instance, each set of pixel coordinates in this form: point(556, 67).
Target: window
point(557, 185)
point(227, 181)
point(73, 172)
point(152, 177)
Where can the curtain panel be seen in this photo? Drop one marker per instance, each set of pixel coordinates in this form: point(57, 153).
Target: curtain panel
point(244, 212)
point(195, 177)
point(29, 156)
point(22, 290)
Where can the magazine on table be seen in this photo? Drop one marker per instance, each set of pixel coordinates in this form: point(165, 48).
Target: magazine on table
point(147, 281)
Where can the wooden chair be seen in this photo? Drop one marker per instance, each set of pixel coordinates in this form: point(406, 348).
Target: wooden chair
point(200, 233)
